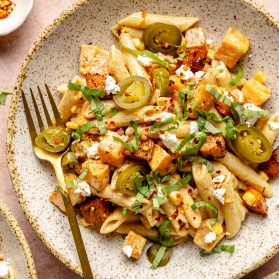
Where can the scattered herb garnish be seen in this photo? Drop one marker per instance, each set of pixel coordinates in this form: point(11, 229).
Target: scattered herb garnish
point(132, 145)
point(178, 184)
point(199, 204)
point(124, 211)
point(143, 191)
point(164, 240)
point(112, 113)
point(79, 132)
point(96, 104)
point(238, 77)
point(75, 182)
point(197, 159)
point(145, 53)
point(219, 249)
point(4, 95)
point(163, 127)
point(161, 179)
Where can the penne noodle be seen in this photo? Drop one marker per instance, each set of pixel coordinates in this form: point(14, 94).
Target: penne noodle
point(134, 67)
point(246, 174)
point(271, 128)
point(205, 187)
point(142, 20)
point(117, 64)
point(137, 228)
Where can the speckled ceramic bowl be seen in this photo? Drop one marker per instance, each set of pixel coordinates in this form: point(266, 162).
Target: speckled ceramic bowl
point(54, 59)
point(274, 275)
point(13, 245)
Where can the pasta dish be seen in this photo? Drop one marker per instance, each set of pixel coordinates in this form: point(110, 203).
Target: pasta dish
point(170, 140)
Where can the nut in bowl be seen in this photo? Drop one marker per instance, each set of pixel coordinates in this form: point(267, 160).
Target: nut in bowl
point(56, 62)
point(12, 14)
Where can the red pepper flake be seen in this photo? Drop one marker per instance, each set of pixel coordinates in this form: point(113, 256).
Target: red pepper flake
point(190, 191)
point(181, 224)
point(56, 140)
point(6, 7)
point(112, 125)
point(151, 196)
point(218, 171)
point(175, 214)
point(143, 14)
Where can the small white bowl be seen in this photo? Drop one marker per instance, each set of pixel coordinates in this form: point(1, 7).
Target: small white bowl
point(20, 12)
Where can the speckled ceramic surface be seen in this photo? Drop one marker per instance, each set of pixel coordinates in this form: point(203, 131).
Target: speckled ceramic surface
point(54, 60)
point(274, 275)
point(13, 245)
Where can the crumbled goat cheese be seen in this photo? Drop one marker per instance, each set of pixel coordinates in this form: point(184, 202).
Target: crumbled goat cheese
point(163, 116)
point(170, 141)
point(194, 128)
point(127, 250)
point(163, 56)
point(209, 42)
point(218, 179)
point(145, 61)
point(92, 151)
point(228, 96)
point(185, 74)
point(219, 194)
point(4, 269)
point(273, 125)
point(210, 237)
point(251, 121)
point(111, 86)
point(83, 189)
point(198, 76)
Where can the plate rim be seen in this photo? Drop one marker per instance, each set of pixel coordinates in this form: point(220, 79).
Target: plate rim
point(10, 124)
point(11, 220)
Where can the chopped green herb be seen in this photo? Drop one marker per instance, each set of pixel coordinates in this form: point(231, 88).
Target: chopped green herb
point(163, 127)
point(75, 182)
point(56, 188)
point(161, 179)
point(200, 160)
point(255, 113)
point(221, 98)
point(132, 145)
point(113, 112)
point(158, 257)
point(145, 53)
point(124, 211)
point(188, 141)
point(3, 96)
point(238, 77)
point(199, 204)
point(79, 132)
point(219, 249)
point(177, 185)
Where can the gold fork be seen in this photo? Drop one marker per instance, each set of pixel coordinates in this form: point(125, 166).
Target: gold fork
point(55, 160)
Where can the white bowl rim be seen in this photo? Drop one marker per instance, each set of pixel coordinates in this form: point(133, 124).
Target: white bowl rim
point(64, 15)
point(4, 209)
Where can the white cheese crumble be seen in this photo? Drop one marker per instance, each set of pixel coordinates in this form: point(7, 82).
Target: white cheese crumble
point(127, 250)
point(194, 128)
point(145, 61)
point(228, 96)
point(170, 141)
point(273, 125)
point(218, 179)
point(198, 76)
point(163, 116)
point(92, 151)
point(209, 42)
point(163, 56)
point(83, 189)
point(219, 195)
point(185, 74)
point(111, 86)
point(4, 269)
point(210, 237)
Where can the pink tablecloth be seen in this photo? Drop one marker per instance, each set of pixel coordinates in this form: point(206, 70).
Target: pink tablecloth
point(13, 49)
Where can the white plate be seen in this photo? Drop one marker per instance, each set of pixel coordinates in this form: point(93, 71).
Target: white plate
point(13, 245)
point(55, 60)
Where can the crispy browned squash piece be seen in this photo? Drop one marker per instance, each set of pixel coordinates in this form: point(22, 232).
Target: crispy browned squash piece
point(271, 167)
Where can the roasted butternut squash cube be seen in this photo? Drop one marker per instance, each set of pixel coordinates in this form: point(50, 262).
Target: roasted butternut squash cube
point(195, 38)
point(161, 160)
point(93, 60)
point(111, 151)
point(232, 47)
point(98, 174)
point(133, 245)
point(256, 92)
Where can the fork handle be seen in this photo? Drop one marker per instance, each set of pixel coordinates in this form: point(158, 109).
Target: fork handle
point(87, 272)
